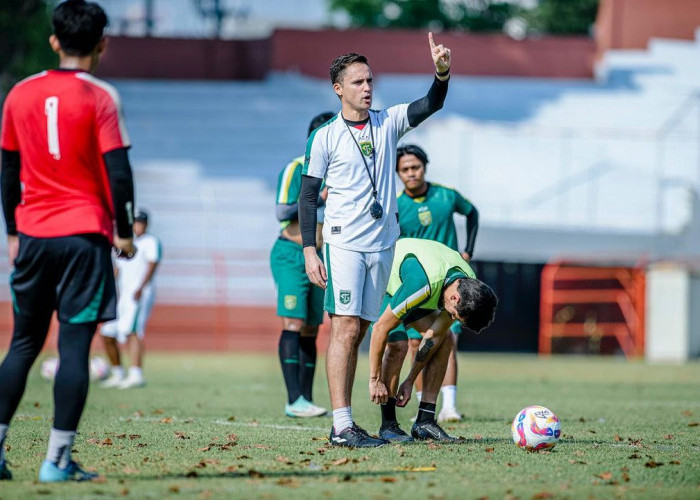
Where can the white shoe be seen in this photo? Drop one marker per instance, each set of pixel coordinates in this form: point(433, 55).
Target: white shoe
point(131, 382)
point(301, 408)
point(112, 381)
point(449, 415)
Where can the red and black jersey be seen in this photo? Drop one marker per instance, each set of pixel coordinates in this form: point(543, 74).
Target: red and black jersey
point(62, 122)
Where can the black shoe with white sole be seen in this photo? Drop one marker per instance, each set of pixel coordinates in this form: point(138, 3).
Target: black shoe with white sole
point(354, 437)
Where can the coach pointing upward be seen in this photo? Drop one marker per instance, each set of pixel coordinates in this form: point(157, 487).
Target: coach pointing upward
point(355, 151)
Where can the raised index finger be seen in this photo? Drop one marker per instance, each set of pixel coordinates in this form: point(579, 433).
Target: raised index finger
point(430, 39)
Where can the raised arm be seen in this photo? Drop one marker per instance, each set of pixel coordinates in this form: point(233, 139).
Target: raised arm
point(433, 101)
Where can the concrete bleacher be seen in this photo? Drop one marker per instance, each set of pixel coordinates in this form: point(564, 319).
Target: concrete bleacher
point(617, 155)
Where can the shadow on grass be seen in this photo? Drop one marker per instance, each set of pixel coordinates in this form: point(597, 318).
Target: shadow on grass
point(342, 476)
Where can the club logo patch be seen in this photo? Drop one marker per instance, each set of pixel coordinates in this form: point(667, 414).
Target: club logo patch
point(424, 216)
point(344, 297)
point(336, 229)
point(290, 302)
point(366, 148)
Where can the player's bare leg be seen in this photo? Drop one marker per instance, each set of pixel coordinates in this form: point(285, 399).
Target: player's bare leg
point(135, 377)
point(413, 345)
point(116, 375)
point(426, 427)
point(341, 362)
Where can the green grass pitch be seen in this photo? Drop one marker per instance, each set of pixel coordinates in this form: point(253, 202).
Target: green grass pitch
point(211, 426)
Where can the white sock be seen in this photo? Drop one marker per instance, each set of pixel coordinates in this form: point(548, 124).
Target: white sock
point(3, 433)
point(117, 371)
point(60, 443)
point(449, 396)
point(418, 395)
point(135, 372)
point(342, 419)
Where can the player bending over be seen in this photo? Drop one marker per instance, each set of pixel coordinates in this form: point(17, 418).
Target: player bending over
point(430, 286)
point(65, 180)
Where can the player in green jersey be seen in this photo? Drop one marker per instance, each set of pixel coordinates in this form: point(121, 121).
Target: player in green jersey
point(430, 286)
point(299, 303)
point(426, 211)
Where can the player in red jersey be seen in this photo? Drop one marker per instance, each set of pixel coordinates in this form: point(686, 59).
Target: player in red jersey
point(65, 180)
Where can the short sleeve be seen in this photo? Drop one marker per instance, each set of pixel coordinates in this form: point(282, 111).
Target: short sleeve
point(316, 159)
point(8, 133)
point(289, 184)
point(151, 250)
point(111, 130)
point(414, 290)
point(399, 117)
point(462, 205)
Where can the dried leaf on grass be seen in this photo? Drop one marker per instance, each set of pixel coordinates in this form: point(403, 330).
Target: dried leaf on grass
point(388, 479)
point(340, 461)
point(181, 435)
point(651, 464)
point(255, 474)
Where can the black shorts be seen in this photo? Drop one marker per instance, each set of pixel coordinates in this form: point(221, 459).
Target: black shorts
point(71, 274)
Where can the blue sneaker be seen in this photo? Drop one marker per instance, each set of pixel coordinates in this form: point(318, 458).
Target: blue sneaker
point(394, 434)
point(301, 408)
point(5, 474)
point(52, 473)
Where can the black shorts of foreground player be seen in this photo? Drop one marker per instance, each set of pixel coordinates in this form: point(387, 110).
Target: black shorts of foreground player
point(63, 135)
point(430, 287)
point(355, 152)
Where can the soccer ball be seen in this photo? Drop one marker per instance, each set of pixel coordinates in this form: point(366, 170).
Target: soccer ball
point(99, 369)
point(536, 428)
point(49, 367)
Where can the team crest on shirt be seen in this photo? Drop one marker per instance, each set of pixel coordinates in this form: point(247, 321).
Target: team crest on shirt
point(290, 302)
point(424, 216)
point(344, 297)
point(366, 148)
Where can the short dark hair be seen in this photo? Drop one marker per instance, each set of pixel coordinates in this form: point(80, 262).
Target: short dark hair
point(341, 63)
point(79, 26)
point(319, 120)
point(411, 149)
point(477, 304)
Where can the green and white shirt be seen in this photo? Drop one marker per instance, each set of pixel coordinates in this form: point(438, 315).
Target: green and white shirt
point(430, 216)
point(420, 272)
point(289, 186)
point(333, 155)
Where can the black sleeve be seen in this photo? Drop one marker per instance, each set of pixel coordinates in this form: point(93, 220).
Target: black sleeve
point(11, 188)
point(308, 201)
point(421, 109)
point(472, 229)
point(121, 183)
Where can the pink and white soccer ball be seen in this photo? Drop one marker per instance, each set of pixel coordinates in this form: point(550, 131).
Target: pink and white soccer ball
point(536, 428)
point(99, 369)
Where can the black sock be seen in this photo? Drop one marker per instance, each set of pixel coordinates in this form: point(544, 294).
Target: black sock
point(426, 413)
point(388, 412)
point(307, 366)
point(289, 359)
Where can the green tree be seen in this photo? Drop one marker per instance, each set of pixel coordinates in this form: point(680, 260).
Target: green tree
point(564, 17)
point(25, 27)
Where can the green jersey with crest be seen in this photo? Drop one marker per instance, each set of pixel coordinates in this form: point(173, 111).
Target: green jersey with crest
point(289, 185)
point(430, 216)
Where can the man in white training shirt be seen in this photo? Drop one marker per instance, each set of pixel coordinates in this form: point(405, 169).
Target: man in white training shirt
point(136, 290)
point(355, 152)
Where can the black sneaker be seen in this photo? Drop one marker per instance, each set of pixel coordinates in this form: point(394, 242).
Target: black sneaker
point(394, 434)
point(431, 430)
point(354, 437)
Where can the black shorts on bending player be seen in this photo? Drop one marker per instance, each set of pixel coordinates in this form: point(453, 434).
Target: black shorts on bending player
point(70, 274)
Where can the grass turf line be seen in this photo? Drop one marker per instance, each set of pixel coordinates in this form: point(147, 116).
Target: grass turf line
point(213, 426)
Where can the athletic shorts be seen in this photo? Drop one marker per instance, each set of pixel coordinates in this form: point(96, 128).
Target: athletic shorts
point(296, 296)
point(357, 281)
point(132, 315)
point(70, 274)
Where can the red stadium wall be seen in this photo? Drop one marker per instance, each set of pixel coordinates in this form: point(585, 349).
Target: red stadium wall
point(196, 328)
point(185, 59)
point(399, 51)
point(629, 24)
point(310, 52)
